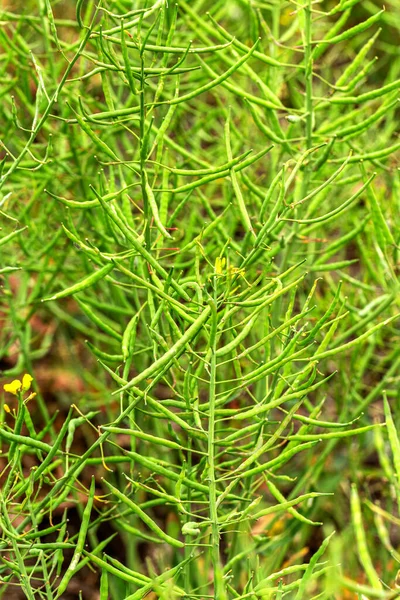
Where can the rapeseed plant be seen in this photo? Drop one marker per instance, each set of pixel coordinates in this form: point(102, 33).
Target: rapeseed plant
point(200, 205)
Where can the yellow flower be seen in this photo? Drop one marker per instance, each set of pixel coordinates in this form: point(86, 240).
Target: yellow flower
point(7, 409)
point(13, 387)
point(26, 382)
point(236, 271)
point(16, 386)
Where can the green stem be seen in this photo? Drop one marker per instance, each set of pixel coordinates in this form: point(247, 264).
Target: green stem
point(219, 592)
point(308, 75)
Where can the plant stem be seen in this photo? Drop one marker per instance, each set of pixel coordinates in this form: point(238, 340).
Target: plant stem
point(219, 592)
point(308, 74)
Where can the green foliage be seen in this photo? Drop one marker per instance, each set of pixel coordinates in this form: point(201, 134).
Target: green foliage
point(210, 201)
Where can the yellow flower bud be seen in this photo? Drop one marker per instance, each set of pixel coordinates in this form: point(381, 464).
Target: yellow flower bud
point(219, 265)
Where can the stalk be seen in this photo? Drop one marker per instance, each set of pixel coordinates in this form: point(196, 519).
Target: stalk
point(308, 74)
point(219, 589)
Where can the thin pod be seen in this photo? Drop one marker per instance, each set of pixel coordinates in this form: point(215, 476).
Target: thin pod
point(144, 517)
point(83, 284)
point(80, 542)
